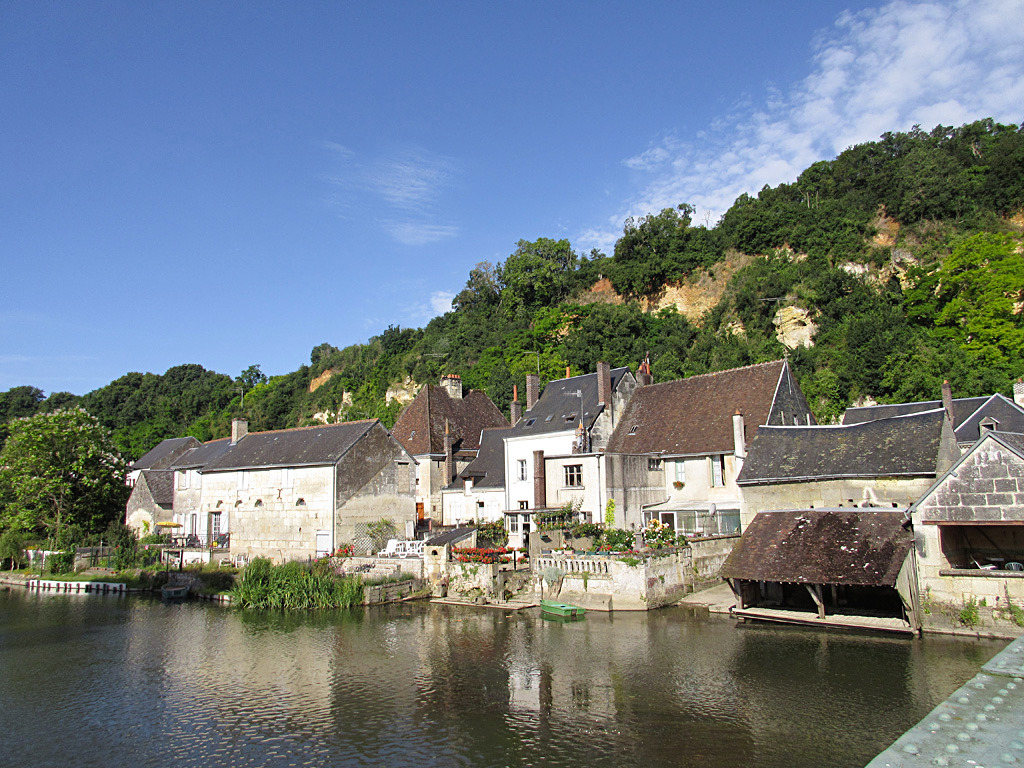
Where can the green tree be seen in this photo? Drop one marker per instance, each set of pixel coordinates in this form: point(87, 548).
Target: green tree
point(60, 469)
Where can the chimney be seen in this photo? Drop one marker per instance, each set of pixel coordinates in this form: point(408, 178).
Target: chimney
point(449, 457)
point(452, 384)
point(643, 373)
point(239, 429)
point(604, 384)
point(947, 401)
point(1018, 392)
point(568, 372)
point(739, 436)
point(540, 490)
point(517, 407)
point(532, 389)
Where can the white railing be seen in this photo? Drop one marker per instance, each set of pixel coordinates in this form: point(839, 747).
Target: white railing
point(590, 564)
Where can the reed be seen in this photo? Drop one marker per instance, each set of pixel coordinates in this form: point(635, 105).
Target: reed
point(295, 586)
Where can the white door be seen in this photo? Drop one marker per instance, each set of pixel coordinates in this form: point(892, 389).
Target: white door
point(323, 543)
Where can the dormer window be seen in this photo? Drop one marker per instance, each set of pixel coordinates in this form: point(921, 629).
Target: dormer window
point(988, 424)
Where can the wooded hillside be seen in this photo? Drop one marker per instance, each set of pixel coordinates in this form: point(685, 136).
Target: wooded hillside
point(902, 259)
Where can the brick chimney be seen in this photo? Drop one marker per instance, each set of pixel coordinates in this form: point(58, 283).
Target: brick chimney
point(643, 373)
point(604, 384)
point(540, 490)
point(947, 401)
point(1018, 392)
point(517, 407)
point(239, 429)
point(739, 436)
point(568, 372)
point(452, 384)
point(532, 389)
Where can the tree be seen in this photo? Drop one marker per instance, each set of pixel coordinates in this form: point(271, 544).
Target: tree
point(252, 376)
point(60, 469)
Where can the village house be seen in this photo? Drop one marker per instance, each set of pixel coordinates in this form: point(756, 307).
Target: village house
point(969, 526)
point(478, 493)
point(292, 494)
point(441, 428)
point(554, 455)
point(883, 463)
point(677, 449)
point(152, 500)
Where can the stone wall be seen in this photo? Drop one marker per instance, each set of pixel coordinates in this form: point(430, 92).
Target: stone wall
point(609, 584)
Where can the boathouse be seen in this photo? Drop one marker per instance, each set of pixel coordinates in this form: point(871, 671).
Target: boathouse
point(827, 567)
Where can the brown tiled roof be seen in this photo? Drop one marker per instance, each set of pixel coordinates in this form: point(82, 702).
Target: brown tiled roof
point(694, 416)
point(420, 427)
point(863, 547)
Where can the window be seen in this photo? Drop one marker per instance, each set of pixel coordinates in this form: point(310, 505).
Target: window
point(513, 523)
point(259, 502)
point(653, 464)
point(530, 422)
point(717, 471)
point(680, 471)
point(574, 475)
point(300, 502)
point(633, 429)
point(286, 478)
point(215, 524)
point(521, 469)
point(182, 480)
point(571, 417)
point(524, 505)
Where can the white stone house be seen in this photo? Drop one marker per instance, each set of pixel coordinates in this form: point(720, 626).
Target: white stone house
point(478, 493)
point(292, 494)
point(679, 447)
point(554, 455)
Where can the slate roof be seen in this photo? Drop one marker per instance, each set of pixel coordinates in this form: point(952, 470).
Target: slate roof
point(420, 426)
point(900, 446)
point(199, 457)
point(558, 407)
point(694, 416)
point(864, 547)
point(165, 452)
point(161, 485)
point(968, 413)
point(962, 408)
point(450, 537)
point(489, 466)
point(304, 446)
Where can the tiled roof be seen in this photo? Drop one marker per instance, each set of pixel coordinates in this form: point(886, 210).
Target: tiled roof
point(420, 426)
point(900, 446)
point(199, 457)
point(305, 446)
point(489, 465)
point(161, 485)
point(165, 452)
point(963, 407)
point(559, 407)
point(694, 416)
point(1008, 416)
point(864, 547)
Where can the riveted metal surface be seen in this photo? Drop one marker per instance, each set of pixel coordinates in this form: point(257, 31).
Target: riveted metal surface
point(980, 726)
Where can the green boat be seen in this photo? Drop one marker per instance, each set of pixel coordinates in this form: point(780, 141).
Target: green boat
point(555, 608)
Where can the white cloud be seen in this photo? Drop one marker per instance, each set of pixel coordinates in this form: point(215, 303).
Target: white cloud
point(441, 301)
point(402, 191)
point(878, 70)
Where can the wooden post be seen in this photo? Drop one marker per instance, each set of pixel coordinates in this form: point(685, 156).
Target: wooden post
point(815, 592)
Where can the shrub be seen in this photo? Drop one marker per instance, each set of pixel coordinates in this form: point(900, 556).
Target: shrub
point(493, 534)
point(295, 586)
point(617, 540)
point(969, 615)
point(61, 562)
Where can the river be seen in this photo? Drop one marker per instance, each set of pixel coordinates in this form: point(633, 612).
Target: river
point(118, 681)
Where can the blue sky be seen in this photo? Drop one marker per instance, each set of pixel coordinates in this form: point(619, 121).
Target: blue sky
point(236, 182)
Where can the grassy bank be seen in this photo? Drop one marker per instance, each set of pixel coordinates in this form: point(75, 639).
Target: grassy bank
point(295, 586)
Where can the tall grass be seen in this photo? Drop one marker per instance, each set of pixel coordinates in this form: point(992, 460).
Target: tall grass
point(295, 586)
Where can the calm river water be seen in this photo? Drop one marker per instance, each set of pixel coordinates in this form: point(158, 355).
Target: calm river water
point(116, 681)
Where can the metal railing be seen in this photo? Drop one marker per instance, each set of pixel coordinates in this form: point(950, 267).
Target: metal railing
point(221, 541)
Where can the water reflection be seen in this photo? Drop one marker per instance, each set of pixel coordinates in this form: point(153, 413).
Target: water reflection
point(126, 681)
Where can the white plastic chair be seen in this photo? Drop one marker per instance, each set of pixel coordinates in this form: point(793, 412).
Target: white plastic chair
point(390, 550)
